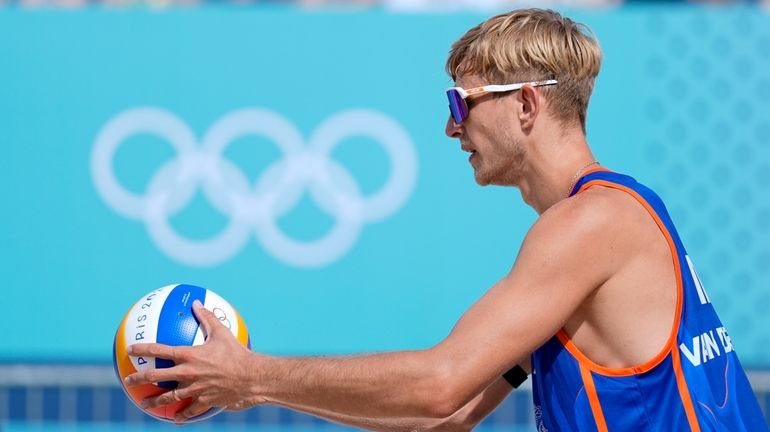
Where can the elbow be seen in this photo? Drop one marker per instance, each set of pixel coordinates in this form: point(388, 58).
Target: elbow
point(442, 397)
point(441, 407)
point(457, 421)
point(450, 413)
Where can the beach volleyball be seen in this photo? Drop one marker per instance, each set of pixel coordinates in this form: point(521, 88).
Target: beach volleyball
point(165, 316)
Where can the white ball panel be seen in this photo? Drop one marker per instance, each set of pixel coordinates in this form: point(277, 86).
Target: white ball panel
point(222, 310)
point(142, 323)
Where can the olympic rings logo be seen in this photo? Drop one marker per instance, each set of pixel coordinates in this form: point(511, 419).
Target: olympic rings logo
point(222, 317)
point(255, 209)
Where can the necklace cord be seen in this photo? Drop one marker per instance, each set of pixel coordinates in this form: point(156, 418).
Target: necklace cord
point(577, 175)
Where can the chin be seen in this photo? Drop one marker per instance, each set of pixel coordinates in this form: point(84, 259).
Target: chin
point(487, 179)
point(481, 179)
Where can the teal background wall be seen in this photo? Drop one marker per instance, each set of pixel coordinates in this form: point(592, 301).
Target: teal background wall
point(682, 104)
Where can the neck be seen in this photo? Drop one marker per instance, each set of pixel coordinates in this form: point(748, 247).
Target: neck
point(552, 169)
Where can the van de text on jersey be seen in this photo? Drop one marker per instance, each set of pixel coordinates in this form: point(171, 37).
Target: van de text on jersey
point(707, 346)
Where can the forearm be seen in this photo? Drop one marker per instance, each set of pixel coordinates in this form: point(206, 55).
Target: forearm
point(402, 384)
point(381, 424)
point(464, 419)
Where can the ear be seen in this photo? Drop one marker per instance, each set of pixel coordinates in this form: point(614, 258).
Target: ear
point(530, 104)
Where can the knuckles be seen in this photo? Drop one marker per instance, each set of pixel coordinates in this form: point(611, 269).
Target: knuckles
point(151, 375)
point(152, 403)
point(153, 350)
point(176, 353)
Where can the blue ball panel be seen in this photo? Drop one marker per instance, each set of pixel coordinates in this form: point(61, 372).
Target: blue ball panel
point(177, 324)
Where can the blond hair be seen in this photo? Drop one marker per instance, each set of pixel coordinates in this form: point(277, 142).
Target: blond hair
point(533, 45)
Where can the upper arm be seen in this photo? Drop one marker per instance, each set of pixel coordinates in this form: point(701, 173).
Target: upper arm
point(561, 262)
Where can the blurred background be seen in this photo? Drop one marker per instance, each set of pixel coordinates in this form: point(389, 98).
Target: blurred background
point(345, 221)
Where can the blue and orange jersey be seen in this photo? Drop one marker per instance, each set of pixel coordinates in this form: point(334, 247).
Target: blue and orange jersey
point(695, 383)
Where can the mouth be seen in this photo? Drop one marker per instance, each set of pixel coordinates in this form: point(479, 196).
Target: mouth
point(471, 158)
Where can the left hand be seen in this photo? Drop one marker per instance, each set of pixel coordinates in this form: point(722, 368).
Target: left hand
point(214, 374)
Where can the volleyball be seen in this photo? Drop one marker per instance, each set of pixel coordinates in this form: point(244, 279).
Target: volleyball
point(165, 316)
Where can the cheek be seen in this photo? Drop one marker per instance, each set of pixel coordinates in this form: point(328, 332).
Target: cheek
point(488, 130)
point(482, 131)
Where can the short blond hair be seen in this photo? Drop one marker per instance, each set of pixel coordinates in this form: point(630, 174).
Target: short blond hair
point(533, 45)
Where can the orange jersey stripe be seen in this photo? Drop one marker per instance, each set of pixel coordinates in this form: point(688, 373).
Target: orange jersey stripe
point(671, 342)
point(593, 398)
point(671, 345)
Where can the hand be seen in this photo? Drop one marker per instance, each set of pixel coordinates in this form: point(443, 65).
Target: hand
point(214, 374)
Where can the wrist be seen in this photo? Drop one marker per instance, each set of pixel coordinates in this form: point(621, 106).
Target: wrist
point(258, 378)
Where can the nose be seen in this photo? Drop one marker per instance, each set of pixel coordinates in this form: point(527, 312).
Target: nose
point(452, 129)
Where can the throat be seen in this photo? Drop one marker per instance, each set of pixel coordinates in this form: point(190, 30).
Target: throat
point(539, 197)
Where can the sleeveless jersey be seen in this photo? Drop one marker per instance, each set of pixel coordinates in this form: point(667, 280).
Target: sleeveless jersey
point(695, 383)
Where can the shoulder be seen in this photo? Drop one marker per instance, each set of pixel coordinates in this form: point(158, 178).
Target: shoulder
point(597, 226)
point(592, 213)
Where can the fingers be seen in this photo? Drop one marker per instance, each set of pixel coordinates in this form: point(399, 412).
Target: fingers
point(175, 353)
point(170, 397)
point(202, 314)
point(194, 409)
point(153, 376)
point(208, 321)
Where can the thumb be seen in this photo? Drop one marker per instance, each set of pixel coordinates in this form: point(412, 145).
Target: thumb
point(205, 317)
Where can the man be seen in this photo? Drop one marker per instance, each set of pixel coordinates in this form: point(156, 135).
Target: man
point(602, 297)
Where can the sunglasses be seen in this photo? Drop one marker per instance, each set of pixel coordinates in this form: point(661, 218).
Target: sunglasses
point(457, 95)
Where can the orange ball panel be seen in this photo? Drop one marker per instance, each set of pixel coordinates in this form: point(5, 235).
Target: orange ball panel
point(243, 333)
point(142, 392)
point(123, 362)
point(169, 411)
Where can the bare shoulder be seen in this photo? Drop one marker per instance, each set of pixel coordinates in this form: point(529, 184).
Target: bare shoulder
point(595, 211)
point(590, 213)
point(600, 225)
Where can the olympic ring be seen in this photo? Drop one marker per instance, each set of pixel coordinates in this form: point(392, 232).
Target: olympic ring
point(222, 317)
point(255, 209)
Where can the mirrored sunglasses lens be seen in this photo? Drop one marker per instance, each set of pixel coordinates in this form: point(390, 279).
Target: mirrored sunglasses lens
point(457, 106)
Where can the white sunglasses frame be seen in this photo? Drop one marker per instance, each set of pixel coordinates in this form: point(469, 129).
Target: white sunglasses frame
point(497, 88)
